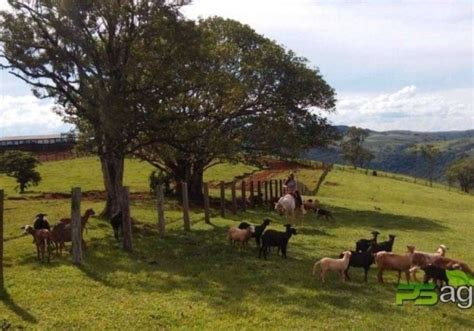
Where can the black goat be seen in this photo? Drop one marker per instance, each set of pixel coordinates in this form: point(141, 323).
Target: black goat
point(41, 222)
point(383, 246)
point(363, 245)
point(273, 238)
point(359, 260)
point(437, 274)
point(324, 213)
point(116, 222)
point(258, 229)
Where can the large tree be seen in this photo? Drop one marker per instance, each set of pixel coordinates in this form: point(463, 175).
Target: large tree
point(353, 147)
point(101, 61)
point(248, 97)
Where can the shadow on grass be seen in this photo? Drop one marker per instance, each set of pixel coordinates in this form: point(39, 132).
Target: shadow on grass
point(15, 308)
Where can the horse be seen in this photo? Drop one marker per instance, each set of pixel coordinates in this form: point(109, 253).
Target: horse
point(286, 205)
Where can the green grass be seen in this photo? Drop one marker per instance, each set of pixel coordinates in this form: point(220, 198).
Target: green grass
point(197, 281)
point(61, 176)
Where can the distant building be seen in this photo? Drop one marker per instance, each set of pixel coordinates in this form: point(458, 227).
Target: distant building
point(46, 147)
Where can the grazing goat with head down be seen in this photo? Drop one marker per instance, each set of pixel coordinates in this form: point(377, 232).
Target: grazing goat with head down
point(362, 245)
point(42, 238)
point(339, 265)
point(62, 231)
point(273, 238)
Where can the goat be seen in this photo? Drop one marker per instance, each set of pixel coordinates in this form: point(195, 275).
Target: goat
point(324, 213)
point(258, 229)
point(41, 222)
point(359, 260)
point(42, 238)
point(383, 246)
point(116, 222)
point(240, 235)
point(339, 265)
point(389, 261)
point(452, 264)
point(62, 231)
point(273, 238)
point(437, 274)
point(362, 245)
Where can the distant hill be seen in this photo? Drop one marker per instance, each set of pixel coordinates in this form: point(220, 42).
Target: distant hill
point(392, 150)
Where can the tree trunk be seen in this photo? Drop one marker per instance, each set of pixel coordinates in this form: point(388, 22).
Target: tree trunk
point(112, 171)
point(195, 183)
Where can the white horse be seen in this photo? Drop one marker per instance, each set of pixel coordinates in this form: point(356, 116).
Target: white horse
point(286, 205)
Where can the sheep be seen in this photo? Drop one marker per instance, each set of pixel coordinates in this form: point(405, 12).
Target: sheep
point(389, 261)
point(273, 238)
point(324, 213)
point(42, 238)
point(258, 230)
point(41, 222)
point(437, 274)
point(339, 265)
point(311, 205)
point(452, 264)
point(383, 246)
point(240, 235)
point(62, 231)
point(359, 260)
point(362, 245)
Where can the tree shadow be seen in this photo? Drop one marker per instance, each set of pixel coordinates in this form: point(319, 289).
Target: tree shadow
point(15, 308)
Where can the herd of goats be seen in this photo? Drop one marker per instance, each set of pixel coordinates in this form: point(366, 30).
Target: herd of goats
point(366, 253)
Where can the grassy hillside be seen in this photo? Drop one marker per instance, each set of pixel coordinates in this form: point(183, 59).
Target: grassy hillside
point(61, 176)
point(196, 280)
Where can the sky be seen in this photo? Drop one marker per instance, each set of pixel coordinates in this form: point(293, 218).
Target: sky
point(395, 65)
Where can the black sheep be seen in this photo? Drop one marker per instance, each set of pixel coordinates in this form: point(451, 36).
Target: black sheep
point(41, 222)
point(116, 222)
point(437, 274)
point(258, 229)
point(363, 245)
point(273, 238)
point(359, 260)
point(383, 246)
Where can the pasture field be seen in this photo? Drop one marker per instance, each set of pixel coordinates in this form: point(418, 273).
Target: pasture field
point(196, 280)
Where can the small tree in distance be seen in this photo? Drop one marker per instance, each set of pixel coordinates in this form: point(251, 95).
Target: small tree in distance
point(21, 166)
point(462, 171)
point(352, 147)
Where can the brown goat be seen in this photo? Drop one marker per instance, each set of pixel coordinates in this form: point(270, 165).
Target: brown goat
point(62, 231)
point(42, 238)
point(452, 264)
point(390, 261)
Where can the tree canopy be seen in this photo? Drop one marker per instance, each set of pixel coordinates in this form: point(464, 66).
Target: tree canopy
point(21, 166)
point(462, 171)
point(353, 149)
point(248, 97)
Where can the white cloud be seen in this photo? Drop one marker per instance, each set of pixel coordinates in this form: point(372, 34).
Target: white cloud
point(408, 109)
point(24, 115)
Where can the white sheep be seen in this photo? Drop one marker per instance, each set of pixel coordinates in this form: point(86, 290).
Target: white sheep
point(240, 235)
point(339, 265)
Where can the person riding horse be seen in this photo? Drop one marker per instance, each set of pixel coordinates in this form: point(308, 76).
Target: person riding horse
point(291, 188)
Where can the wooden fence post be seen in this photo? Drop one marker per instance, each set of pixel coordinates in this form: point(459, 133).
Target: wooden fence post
point(252, 195)
point(76, 226)
point(187, 222)
point(2, 284)
point(281, 187)
point(259, 192)
point(126, 220)
point(222, 199)
point(160, 202)
point(271, 189)
point(244, 196)
point(234, 199)
point(207, 212)
point(265, 189)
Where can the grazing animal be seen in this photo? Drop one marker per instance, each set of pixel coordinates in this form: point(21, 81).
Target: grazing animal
point(41, 222)
point(62, 231)
point(362, 245)
point(324, 213)
point(383, 246)
point(240, 235)
point(311, 205)
point(437, 274)
point(421, 259)
point(116, 222)
point(286, 205)
point(359, 260)
point(42, 238)
point(258, 229)
point(273, 238)
point(329, 264)
point(452, 264)
point(389, 261)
